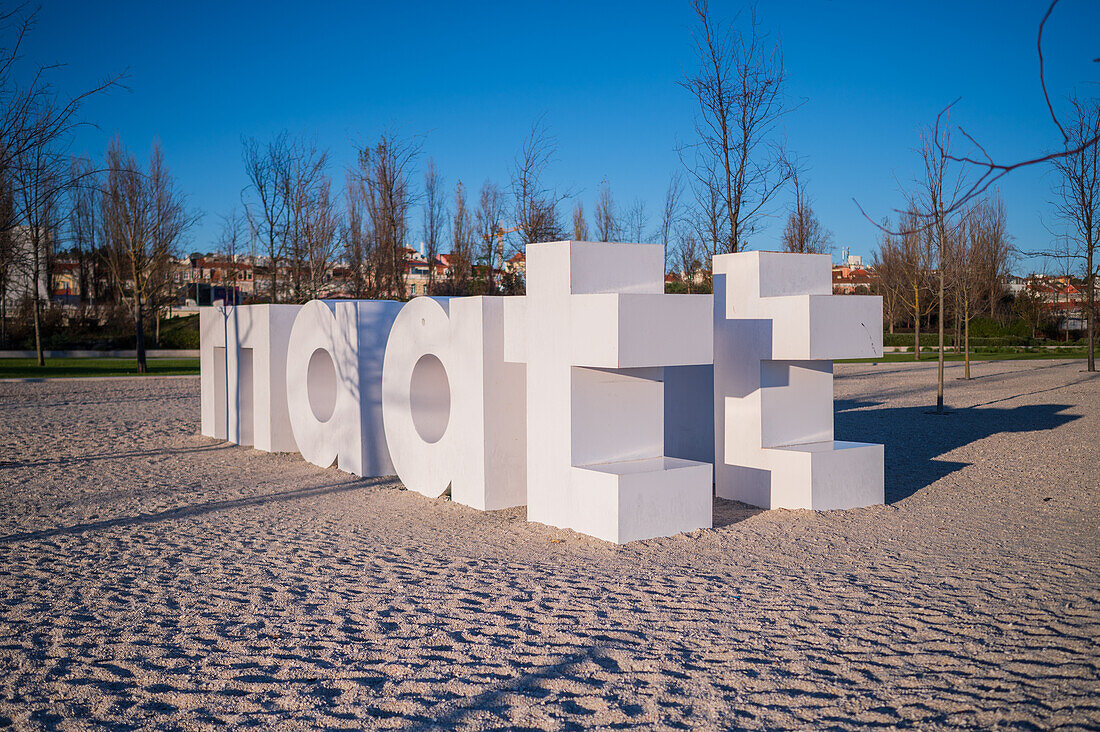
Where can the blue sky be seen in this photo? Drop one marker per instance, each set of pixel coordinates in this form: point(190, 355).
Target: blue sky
point(472, 78)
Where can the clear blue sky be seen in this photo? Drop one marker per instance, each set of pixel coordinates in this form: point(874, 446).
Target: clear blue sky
point(473, 76)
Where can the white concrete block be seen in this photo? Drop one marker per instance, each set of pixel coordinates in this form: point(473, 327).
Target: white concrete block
point(254, 409)
point(212, 381)
point(642, 499)
point(617, 331)
point(334, 365)
point(775, 332)
point(596, 332)
point(453, 409)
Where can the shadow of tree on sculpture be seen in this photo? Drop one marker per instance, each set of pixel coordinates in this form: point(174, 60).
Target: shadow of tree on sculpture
point(914, 439)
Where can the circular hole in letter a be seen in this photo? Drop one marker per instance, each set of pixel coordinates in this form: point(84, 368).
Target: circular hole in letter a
point(321, 385)
point(430, 398)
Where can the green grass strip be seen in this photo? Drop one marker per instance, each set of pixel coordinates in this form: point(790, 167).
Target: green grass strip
point(932, 357)
point(28, 368)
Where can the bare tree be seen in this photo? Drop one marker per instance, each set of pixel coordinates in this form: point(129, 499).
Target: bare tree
point(709, 220)
point(32, 115)
point(83, 225)
point(36, 129)
point(737, 158)
point(607, 227)
point(40, 175)
point(536, 214)
point(384, 170)
point(433, 218)
point(689, 251)
point(358, 239)
point(266, 200)
point(903, 263)
point(670, 214)
point(931, 197)
point(462, 235)
point(580, 226)
point(7, 251)
point(890, 280)
point(232, 240)
point(940, 200)
point(321, 240)
point(144, 219)
point(489, 225)
point(635, 221)
point(977, 264)
point(803, 233)
point(310, 236)
point(979, 169)
point(1078, 205)
point(314, 221)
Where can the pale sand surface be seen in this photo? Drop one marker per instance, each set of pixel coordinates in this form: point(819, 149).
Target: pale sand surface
point(152, 578)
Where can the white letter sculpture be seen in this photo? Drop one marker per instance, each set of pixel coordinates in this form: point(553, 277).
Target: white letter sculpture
point(559, 399)
point(334, 383)
point(777, 328)
point(453, 409)
point(595, 330)
point(244, 388)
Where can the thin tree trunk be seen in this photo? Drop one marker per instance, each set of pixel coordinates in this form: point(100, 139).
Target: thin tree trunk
point(939, 384)
point(916, 326)
point(1090, 308)
point(966, 350)
point(37, 316)
point(958, 334)
point(139, 317)
point(274, 280)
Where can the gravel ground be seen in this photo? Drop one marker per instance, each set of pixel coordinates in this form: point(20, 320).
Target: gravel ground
point(152, 578)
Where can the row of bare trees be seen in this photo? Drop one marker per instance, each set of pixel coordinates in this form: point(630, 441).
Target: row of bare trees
point(976, 254)
point(737, 163)
point(143, 218)
point(950, 252)
point(1077, 207)
point(123, 222)
point(291, 215)
point(952, 181)
point(737, 167)
point(300, 232)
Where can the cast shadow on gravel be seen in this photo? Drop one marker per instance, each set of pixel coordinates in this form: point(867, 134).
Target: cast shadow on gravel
point(185, 512)
point(7, 464)
point(728, 513)
point(570, 668)
point(914, 438)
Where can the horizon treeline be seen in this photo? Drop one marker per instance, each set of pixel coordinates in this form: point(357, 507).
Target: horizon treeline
point(124, 223)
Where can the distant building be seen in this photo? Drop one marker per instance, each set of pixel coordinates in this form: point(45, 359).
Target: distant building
point(849, 260)
point(516, 264)
point(417, 268)
point(20, 280)
point(1062, 298)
